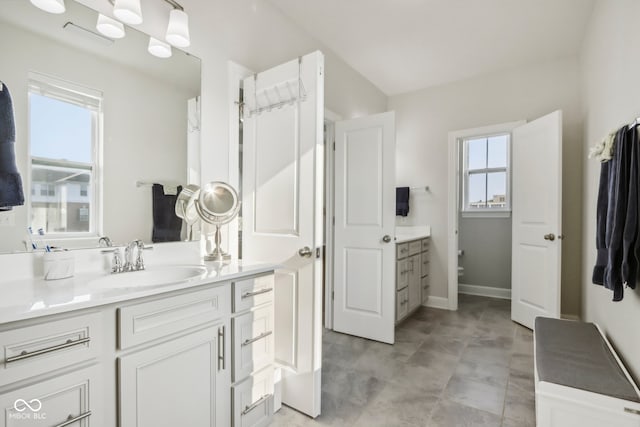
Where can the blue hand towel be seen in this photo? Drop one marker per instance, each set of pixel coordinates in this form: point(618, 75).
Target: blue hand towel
point(166, 224)
point(402, 201)
point(11, 193)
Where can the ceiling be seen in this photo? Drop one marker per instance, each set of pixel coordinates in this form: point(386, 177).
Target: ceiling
point(405, 45)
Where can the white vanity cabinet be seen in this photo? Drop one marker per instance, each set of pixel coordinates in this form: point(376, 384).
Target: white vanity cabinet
point(175, 383)
point(73, 399)
point(253, 352)
point(178, 381)
point(199, 357)
point(412, 276)
point(34, 350)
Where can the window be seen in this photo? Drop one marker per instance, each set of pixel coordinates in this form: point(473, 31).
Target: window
point(486, 174)
point(64, 123)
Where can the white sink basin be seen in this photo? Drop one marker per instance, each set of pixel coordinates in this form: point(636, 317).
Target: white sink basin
point(152, 276)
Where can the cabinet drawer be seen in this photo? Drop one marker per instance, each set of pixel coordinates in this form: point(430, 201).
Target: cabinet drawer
point(402, 274)
point(402, 250)
point(402, 304)
point(252, 292)
point(148, 321)
point(252, 342)
point(253, 400)
point(76, 397)
point(415, 247)
point(41, 348)
point(424, 283)
point(424, 263)
point(425, 245)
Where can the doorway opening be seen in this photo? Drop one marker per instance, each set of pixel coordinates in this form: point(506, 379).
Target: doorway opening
point(480, 212)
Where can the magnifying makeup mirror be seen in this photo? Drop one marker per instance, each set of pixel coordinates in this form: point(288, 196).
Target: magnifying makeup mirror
point(186, 207)
point(217, 204)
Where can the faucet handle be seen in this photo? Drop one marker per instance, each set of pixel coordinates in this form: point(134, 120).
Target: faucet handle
point(117, 261)
point(139, 259)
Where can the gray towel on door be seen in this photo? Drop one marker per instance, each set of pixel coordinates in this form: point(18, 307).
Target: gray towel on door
point(11, 193)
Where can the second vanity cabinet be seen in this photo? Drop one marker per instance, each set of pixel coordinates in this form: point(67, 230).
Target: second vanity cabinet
point(191, 357)
point(412, 276)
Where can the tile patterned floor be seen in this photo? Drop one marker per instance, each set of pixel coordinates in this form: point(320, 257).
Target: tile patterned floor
point(473, 367)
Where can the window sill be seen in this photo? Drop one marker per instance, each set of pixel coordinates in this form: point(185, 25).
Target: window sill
point(486, 214)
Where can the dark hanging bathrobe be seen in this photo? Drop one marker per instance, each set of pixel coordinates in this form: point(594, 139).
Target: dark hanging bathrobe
point(11, 193)
point(617, 216)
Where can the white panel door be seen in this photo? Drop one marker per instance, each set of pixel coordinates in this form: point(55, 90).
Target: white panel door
point(537, 219)
point(364, 263)
point(282, 196)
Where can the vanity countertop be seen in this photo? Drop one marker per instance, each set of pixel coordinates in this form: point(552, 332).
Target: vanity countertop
point(408, 233)
point(28, 298)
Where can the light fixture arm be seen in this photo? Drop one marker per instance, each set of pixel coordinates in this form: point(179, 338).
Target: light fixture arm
point(174, 4)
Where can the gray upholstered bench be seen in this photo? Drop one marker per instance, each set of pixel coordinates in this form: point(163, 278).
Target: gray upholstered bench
point(579, 379)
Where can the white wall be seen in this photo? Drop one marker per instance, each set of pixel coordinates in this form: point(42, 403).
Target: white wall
point(611, 68)
point(257, 35)
point(424, 119)
point(131, 132)
point(486, 243)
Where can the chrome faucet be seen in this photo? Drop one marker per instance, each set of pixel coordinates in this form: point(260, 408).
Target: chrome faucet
point(129, 264)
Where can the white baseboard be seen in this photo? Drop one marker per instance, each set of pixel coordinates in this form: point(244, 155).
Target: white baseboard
point(484, 291)
point(437, 302)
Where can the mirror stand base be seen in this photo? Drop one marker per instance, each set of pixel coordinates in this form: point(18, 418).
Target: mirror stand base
point(218, 255)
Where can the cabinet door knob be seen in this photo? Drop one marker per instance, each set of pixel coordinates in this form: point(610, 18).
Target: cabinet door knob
point(551, 237)
point(386, 238)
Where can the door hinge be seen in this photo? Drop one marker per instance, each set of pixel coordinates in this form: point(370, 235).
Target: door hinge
point(318, 253)
point(334, 146)
point(333, 295)
point(333, 220)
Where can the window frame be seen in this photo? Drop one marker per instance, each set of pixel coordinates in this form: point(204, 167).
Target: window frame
point(93, 100)
point(467, 211)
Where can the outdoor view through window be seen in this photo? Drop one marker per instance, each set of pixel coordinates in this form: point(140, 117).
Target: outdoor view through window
point(63, 135)
point(486, 171)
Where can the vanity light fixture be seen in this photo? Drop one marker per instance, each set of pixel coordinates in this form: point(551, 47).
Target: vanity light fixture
point(51, 6)
point(110, 27)
point(159, 48)
point(178, 28)
point(128, 11)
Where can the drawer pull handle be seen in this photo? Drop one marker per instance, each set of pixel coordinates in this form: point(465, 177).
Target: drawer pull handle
point(73, 419)
point(403, 302)
point(221, 348)
point(254, 293)
point(25, 354)
point(258, 338)
point(253, 406)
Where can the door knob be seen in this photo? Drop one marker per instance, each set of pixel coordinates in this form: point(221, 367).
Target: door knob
point(305, 252)
point(386, 238)
point(550, 236)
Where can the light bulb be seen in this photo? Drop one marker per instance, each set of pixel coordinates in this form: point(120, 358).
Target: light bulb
point(159, 48)
point(178, 29)
point(51, 6)
point(128, 11)
point(110, 27)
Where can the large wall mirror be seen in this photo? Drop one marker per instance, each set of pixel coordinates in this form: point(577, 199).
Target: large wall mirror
point(94, 118)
